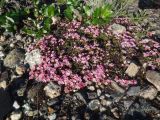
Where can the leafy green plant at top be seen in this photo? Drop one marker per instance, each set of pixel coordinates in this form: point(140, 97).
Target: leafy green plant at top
point(12, 20)
point(76, 9)
point(40, 23)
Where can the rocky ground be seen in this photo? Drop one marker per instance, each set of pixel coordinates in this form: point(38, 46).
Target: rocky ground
point(29, 100)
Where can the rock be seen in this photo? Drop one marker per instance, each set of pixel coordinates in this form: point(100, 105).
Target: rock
point(149, 93)
point(33, 91)
point(33, 58)
point(132, 70)
point(12, 45)
point(21, 91)
point(4, 80)
point(91, 88)
point(1, 48)
point(3, 84)
point(16, 115)
point(133, 91)
point(154, 78)
point(31, 113)
point(1, 54)
point(20, 69)
point(80, 97)
point(117, 87)
point(26, 107)
point(18, 37)
point(52, 90)
point(52, 117)
point(127, 104)
point(94, 105)
point(102, 109)
point(116, 28)
point(50, 110)
point(52, 102)
point(115, 113)
point(92, 95)
point(13, 58)
point(16, 105)
point(106, 102)
point(99, 92)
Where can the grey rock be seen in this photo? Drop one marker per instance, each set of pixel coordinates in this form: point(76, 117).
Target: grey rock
point(52, 102)
point(133, 91)
point(80, 97)
point(20, 92)
point(154, 78)
point(16, 115)
point(26, 107)
point(52, 90)
point(1, 54)
point(106, 102)
point(16, 105)
point(117, 87)
point(18, 37)
point(149, 93)
point(92, 95)
point(31, 113)
point(115, 112)
point(127, 104)
point(99, 92)
point(116, 28)
point(4, 78)
point(94, 105)
point(33, 91)
point(52, 117)
point(132, 70)
point(13, 58)
point(91, 88)
point(33, 58)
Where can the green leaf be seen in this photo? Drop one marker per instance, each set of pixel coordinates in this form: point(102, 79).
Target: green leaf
point(47, 23)
point(97, 12)
point(49, 11)
point(10, 19)
point(68, 13)
point(87, 10)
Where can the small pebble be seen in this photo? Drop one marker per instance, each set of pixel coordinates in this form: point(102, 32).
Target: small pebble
point(94, 104)
point(16, 105)
point(16, 115)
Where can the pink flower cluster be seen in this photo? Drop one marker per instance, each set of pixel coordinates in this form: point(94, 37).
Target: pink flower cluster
point(74, 59)
point(151, 48)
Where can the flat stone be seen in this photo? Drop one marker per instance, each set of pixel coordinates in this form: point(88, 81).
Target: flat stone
point(116, 28)
point(154, 78)
point(13, 58)
point(149, 93)
point(117, 87)
point(33, 58)
point(132, 70)
point(52, 90)
point(133, 91)
point(16, 115)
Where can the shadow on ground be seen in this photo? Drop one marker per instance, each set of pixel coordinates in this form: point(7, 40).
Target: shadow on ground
point(148, 4)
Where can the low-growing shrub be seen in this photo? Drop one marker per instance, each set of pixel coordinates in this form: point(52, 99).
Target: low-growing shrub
point(77, 55)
